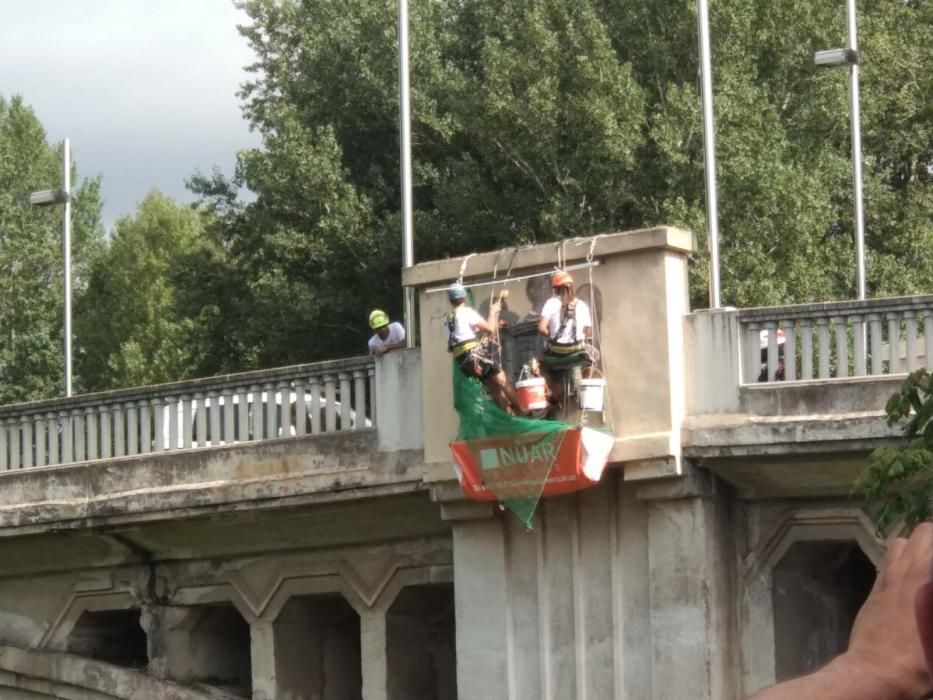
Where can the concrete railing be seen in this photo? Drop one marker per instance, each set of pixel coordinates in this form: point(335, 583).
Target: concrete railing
point(263, 405)
point(836, 339)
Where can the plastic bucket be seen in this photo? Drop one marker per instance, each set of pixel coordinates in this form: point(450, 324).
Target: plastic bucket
point(532, 394)
point(591, 394)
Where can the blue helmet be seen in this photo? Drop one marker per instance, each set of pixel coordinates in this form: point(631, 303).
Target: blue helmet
point(456, 292)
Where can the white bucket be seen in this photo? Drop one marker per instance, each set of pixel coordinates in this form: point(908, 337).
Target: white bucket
point(591, 394)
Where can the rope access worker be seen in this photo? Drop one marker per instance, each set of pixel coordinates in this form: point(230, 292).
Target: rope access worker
point(389, 336)
point(472, 356)
point(568, 326)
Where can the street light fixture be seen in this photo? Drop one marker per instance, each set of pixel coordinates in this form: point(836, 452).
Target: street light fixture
point(849, 56)
point(45, 198)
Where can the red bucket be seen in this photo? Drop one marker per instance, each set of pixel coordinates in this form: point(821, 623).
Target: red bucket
point(532, 394)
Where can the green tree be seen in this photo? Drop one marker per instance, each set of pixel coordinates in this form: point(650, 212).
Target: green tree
point(898, 481)
point(127, 323)
point(31, 266)
point(536, 120)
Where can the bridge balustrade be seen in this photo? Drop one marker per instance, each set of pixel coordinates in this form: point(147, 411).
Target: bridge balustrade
point(322, 397)
point(837, 339)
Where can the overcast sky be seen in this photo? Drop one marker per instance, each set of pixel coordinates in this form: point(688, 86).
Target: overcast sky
point(145, 89)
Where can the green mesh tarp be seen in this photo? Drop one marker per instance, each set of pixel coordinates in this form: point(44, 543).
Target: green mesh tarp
point(533, 451)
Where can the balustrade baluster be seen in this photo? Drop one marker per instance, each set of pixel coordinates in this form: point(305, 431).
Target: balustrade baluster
point(822, 330)
point(806, 352)
point(842, 345)
point(301, 408)
point(213, 417)
point(25, 426)
point(201, 421)
point(894, 342)
point(187, 429)
point(13, 428)
point(68, 436)
point(859, 342)
point(228, 412)
point(242, 414)
point(51, 420)
point(160, 429)
point(330, 403)
point(119, 430)
point(877, 354)
point(283, 413)
point(271, 408)
point(346, 403)
point(928, 339)
point(256, 391)
point(910, 332)
point(371, 373)
point(38, 429)
point(145, 426)
point(4, 445)
point(359, 399)
point(316, 404)
point(752, 352)
point(77, 421)
point(90, 421)
point(174, 429)
point(790, 350)
point(132, 428)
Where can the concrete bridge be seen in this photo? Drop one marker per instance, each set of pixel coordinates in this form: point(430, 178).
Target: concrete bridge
point(299, 532)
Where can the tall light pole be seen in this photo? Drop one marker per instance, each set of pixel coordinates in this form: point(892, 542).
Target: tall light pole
point(55, 197)
point(408, 245)
point(709, 151)
point(849, 57)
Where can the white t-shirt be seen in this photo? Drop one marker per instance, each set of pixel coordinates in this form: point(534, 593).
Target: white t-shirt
point(396, 335)
point(551, 311)
point(464, 320)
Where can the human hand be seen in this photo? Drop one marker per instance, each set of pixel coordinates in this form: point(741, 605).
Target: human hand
point(885, 640)
point(381, 351)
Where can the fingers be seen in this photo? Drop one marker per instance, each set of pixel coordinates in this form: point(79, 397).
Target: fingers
point(908, 561)
point(896, 548)
point(918, 555)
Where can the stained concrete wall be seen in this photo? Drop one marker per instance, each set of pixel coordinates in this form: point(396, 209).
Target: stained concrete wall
point(642, 281)
point(611, 596)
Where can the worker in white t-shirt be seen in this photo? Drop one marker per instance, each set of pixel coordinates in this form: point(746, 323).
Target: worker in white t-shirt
point(389, 336)
point(472, 356)
point(568, 326)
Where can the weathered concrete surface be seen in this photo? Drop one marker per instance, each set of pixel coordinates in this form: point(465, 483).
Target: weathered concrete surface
point(399, 417)
point(641, 280)
point(38, 675)
point(252, 476)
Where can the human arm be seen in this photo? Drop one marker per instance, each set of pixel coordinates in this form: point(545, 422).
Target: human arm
point(885, 659)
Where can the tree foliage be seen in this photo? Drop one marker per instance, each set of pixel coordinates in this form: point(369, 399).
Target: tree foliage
point(128, 321)
point(898, 481)
point(536, 120)
point(31, 263)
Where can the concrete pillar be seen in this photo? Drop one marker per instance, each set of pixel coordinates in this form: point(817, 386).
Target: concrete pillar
point(373, 654)
point(480, 598)
point(690, 565)
point(262, 650)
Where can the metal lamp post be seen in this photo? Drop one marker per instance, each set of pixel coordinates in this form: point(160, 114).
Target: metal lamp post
point(46, 198)
point(849, 57)
point(709, 151)
point(408, 246)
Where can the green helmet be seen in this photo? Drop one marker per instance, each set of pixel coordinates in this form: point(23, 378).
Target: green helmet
point(378, 318)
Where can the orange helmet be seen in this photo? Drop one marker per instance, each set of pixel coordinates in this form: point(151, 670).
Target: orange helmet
point(561, 278)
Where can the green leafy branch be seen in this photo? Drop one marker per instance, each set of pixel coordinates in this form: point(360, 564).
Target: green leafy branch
point(898, 481)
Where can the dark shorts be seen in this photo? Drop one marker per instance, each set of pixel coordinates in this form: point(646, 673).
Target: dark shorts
point(476, 363)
